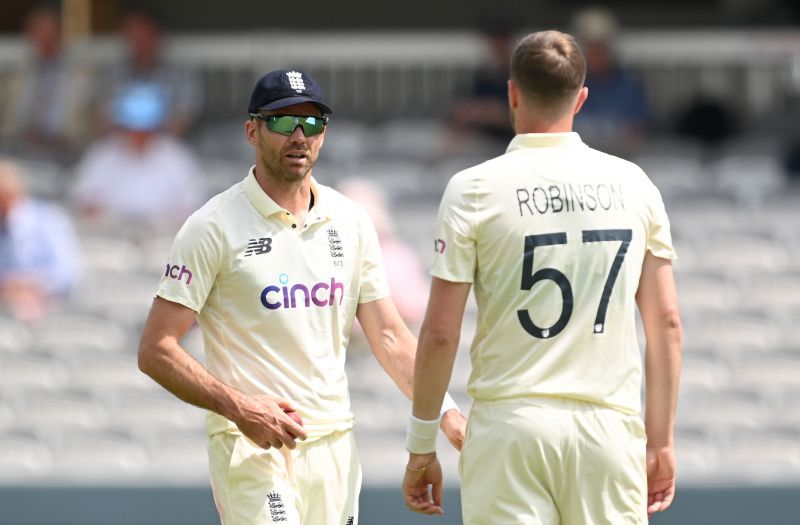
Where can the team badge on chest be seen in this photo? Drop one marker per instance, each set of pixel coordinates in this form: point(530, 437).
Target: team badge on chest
point(335, 244)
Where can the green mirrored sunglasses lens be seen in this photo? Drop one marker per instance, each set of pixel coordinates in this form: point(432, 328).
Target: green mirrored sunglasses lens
point(286, 124)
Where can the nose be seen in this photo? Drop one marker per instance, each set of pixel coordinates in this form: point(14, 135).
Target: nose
point(298, 135)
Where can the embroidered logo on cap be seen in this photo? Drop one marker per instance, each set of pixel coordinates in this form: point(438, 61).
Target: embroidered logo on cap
point(296, 81)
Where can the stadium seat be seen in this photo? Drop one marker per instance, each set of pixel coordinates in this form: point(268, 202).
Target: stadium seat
point(22, 373)
point(749, 179)
point(68, 332)
point(99, 457)
point(22, 458)
point(14, 336)
point(419, 139)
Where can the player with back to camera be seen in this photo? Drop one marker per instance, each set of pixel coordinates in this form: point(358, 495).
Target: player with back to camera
point(561, 242)
point(276, 269)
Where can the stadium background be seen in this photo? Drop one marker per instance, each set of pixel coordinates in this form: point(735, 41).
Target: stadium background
point(85, 439)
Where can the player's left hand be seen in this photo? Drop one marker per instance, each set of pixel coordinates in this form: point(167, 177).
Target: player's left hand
point(660, 477)
point(454, 426)
point(423, 470)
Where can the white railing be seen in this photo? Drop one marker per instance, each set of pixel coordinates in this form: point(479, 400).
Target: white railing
point(375, 73)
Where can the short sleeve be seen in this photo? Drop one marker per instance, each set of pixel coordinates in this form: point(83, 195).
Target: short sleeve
point(455, 247)
point(659, 237)
point(193, 264)
point(374, 284)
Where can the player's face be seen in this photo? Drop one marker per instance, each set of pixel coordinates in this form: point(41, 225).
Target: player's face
point(288, 157)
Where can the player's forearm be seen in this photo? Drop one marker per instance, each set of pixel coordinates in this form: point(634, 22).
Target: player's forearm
point(432, 370)
point(398, 348)
point(179, 373)
point(662, 371)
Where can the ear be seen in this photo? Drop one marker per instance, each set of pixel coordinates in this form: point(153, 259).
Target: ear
point(583, 94)
point(251, 131)
point(513, 94)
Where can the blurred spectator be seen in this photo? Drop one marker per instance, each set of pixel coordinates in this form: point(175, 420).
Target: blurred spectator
point(482, 112)
point(792, 160)
point(142, 34)
point(43, 101)
point(138, 172)
point(615, 116)
point(38, 249)
point(407, 281)
point(707, 121)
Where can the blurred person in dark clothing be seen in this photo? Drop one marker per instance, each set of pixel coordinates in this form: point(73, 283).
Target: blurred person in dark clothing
point(142, 34)
point(39, 257)
point(43, 100)
point(706, 120)
point(616, 116)
point(482, 111)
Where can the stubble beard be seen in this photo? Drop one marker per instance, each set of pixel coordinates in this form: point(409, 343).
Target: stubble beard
point(277, 170)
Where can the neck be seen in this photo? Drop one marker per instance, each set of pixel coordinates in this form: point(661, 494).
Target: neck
point(293, 196)
point(530, 123)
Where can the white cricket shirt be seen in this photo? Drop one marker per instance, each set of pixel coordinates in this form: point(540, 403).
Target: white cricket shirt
point(553, 235)
point(277, 301)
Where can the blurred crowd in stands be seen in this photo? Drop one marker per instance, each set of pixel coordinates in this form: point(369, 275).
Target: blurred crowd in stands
point(122, 136)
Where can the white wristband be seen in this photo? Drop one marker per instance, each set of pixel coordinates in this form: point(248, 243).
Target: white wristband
point(448, 404)
point(421, 435)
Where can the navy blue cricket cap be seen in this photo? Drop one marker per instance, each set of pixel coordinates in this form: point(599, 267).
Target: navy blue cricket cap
point(280, 88)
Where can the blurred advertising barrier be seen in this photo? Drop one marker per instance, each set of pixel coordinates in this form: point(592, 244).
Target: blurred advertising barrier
point(165, 505)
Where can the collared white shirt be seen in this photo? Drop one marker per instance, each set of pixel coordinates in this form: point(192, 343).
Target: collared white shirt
point(553, 235)
point(160, 181)
point(277, 301)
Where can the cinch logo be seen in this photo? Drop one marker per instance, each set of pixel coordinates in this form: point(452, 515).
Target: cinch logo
point(320, 294)
point(177, 272)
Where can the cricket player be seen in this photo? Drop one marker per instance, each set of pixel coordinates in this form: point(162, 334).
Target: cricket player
point(275, 270)
point(561, 243)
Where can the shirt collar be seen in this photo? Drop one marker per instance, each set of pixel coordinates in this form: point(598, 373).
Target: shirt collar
point(268, 207)
point(568, 139)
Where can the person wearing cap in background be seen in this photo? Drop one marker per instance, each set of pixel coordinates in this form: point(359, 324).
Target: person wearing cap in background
point(142, 33)
point(138, 173)
point(616, 117)
point(38, 249)
point(276, 269)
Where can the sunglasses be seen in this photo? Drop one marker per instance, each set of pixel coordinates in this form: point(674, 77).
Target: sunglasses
point(286, 124)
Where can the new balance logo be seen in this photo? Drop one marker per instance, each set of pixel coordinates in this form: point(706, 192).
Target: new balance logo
point(350, 521)
point(258, 246)
point(296, 81)
point(276, 508)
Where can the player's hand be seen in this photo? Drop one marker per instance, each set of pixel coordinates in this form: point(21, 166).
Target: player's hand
point(660, 477)
point(264, 421)
point(454, 426)
point(416, 493)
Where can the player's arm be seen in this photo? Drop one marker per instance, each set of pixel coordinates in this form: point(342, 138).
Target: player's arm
point(394, 347)
point(260, 418)
point(658, 303)
point(438, 344)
